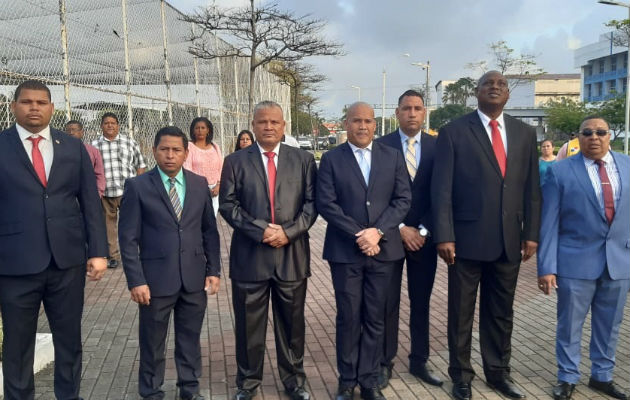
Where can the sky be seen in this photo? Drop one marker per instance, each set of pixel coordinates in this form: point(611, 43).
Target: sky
point(449, 33)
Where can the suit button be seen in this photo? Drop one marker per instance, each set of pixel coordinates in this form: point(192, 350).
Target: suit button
point(504, 186)
point(367, 203)
point(504, 213)
point(46, 195)
point(181, 230)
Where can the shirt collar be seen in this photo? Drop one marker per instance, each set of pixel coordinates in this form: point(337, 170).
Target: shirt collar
point(404, 136)
point(179, 178)
point(485, 120)
point(275, 149)
point(113, 140)
point(355, 148)
point(608, 158)
point(24, 134)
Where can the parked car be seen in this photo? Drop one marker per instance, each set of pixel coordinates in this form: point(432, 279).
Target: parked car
point(322, 143)
point(305, 143)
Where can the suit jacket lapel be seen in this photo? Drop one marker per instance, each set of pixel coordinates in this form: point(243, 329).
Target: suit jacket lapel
point(21, 152)
point(58, 147)
point(585, 181)
point(479, 132)
point(376, 160)
point(512, 137)
point(187, 191)
point(351, 160)
point(159, 186)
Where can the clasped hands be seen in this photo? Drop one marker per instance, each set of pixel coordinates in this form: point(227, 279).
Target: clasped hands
point(274, 236)
point(142, 294)
point(367, 240)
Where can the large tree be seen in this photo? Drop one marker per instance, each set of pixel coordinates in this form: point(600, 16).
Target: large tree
point(460, 91)
point(564, 116)
point(261, 33)
point(621, 33)
point(614, 112)
point(447, 113)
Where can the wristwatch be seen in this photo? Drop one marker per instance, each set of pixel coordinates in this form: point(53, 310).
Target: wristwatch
point(380, 232)
point(424, 232)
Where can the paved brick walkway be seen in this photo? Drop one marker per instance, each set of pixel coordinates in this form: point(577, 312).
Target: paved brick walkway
point(110, 360)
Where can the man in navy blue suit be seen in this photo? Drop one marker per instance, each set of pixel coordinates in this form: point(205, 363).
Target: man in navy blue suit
point(170, 251)
point(51, 227)
point(584, 252)
point(363, 194)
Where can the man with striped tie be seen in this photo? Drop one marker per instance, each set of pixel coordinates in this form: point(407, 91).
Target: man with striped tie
point(417, 148)
point(170, 251)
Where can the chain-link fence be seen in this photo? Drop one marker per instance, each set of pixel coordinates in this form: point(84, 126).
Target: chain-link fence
point(129, 57)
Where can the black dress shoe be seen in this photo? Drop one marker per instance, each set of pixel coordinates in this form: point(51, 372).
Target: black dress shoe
point(426, 374)
point(345, 393)
point(608, 388)
point(373, 393)
point(298, 393)
point(507, 388)
point(244, 394)
point(462, 391)
point(384, 376)
point(563, 390)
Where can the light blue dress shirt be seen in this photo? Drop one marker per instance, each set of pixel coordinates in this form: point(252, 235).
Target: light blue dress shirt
point(180, 184)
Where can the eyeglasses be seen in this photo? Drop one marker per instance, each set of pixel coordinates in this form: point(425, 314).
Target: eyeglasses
point(589, 132)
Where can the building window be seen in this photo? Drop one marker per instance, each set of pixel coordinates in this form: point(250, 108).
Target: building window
point(589, 70)
point(601, 65)
point(612, 86)
point(625, 84)
point(587, 89)
point(613, 63)
point(598, 89)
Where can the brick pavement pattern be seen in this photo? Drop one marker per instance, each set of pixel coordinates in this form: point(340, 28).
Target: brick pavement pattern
point(110, 338)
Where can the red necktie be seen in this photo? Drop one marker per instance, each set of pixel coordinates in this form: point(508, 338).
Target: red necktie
point(271, 177)
point(497, 146)
point(609, 203)
point(38, 160)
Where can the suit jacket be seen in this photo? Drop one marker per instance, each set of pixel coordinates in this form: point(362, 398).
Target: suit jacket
point(157, 249)
point(575, 239)
point(349, 205)
point(244, 204)
point(63, 220)
point(420, 210)
point(474, 206)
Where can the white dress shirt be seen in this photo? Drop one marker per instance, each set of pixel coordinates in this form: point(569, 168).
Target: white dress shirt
point(45, 145)
point(613, 176)
point(265, 159)
point(485, 121)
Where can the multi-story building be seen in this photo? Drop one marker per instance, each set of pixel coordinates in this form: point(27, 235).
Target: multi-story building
point(604, 67)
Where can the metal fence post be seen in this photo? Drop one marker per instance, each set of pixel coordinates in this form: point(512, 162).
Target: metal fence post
point(127, 68)
point(64, 56)
point(167, 70)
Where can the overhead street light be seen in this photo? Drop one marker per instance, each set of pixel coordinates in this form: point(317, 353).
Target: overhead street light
point(626, 5)
point(427, 92)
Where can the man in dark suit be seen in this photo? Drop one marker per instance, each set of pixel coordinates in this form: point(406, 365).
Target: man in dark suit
point(170, 251)
point(363, 193)
point(268, 196)
point(485, 198)
point(583, 255)
point(417, 149)
point(51, 225)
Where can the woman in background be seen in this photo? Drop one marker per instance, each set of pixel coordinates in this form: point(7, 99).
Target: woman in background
point(546, 159)
point(204, 156)
point(244, 139)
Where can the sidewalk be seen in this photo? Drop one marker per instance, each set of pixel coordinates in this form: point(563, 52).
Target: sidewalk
point(110, 352)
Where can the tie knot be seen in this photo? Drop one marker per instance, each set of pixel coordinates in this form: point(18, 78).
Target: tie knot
point(600, 162)
point(494, 123)
point(172, 181)
point(270, 154)
point(35, 139)
point(411, 141)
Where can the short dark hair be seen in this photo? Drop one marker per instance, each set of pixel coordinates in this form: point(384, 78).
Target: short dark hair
point(170, 131)
point(240, 135)
point(593, 116)
point(31, 84)
point(410, 92)
point(206, 121)
point(547, 140)
point(109, 115)
point(74, 122)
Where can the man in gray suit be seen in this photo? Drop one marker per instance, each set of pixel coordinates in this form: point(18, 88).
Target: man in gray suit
point(268, 196)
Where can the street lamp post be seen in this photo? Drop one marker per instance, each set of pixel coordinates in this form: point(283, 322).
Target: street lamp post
point(358, 88)
point(625, 141)
point(427, 94)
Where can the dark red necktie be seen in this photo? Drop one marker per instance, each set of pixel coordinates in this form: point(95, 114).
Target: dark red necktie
point(271, 178)
point(38, 160)
point(497, 146)
point(607, 193)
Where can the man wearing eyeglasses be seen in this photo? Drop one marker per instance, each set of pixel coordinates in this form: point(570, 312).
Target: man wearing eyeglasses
point(583, 255)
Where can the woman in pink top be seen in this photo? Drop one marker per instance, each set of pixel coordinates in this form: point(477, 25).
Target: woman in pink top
point(204, 156)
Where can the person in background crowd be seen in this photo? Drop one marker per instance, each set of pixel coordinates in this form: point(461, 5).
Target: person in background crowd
point(204, 157)
point(418, 149)
point(244, 139)
point(485, 194)
point(569, 148)
point(122, 159)
point(75, 128)
point(52, 233)
point(584, 255)
point(546, 158)
point(170, 252)
point(268, 197)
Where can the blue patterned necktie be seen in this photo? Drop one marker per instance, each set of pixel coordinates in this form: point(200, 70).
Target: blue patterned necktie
point(172, 194)
point(363, 164)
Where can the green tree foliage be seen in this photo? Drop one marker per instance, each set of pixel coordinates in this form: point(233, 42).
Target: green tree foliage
point(458, 92)
point(614, 112)
point(446, 114)
point(565, 115)
point(621, 33)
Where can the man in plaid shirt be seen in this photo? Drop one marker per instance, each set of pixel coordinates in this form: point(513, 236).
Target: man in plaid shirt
point(122, 159)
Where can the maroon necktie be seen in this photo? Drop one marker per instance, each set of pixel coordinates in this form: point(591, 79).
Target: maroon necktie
point(38, 160)
point(271, 177)
point(609, 203)
point(497, 146)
